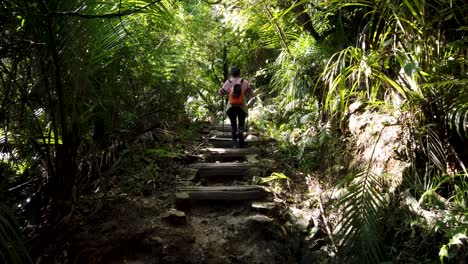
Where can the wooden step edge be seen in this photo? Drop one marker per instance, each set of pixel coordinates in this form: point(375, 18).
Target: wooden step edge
point(229, 139)
point(230, 150)
point(226, 125)
point(223, 188)
point(223, 193)
point(222, 165)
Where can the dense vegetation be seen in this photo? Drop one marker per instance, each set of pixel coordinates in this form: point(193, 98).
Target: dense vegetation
point(84, 81)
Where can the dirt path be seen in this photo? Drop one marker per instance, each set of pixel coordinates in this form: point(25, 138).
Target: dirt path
point(218, 208)
point(211, 213)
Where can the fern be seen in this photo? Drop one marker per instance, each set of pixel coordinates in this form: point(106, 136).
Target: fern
point(358, 229)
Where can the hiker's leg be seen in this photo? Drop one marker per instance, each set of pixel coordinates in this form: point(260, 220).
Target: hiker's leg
point(233, 118)
point(241, 115)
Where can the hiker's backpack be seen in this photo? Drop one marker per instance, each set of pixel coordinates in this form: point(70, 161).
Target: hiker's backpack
point(236, 95)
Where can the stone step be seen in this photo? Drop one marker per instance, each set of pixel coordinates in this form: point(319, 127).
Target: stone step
point(222, 193)
point(222, 143)
point(227, 142)
point(227, 137)
point(232, 169)
point(229, 152)
point(220, 139)
point(221, 128)
point(218, 134)
point(227, 134)
point(225, 128)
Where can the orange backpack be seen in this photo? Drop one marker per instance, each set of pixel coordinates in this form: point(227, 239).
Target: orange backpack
point(236, 95)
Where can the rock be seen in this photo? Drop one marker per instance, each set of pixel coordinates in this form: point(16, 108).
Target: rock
point(264, 226)
point(355, 107)
point(251, 158)
point(300, 218)
point(186, 183)
point(189, 174)
point(157, 239)
point(262, 219)
point(176, 217)
point(251, 137)
point(264, 206)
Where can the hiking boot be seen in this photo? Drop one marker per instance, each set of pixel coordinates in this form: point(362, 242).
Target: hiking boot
point(241, 140)
point(234, 140)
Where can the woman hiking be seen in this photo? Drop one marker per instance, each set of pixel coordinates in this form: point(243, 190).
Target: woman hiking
point(237, 89)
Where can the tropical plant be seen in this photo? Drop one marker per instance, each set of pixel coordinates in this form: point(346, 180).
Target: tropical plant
point(275, 180)
point(83, 82)
point(394, 60)
point(358, 229)
point(75, 83)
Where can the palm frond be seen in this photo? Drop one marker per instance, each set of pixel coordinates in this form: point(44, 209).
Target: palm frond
point(434, 149)
point(358, 229)
point(293, 77)
point(457, 119)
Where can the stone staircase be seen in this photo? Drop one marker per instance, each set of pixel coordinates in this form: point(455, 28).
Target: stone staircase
point(225, 174)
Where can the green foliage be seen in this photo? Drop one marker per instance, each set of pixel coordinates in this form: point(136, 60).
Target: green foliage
point(359, 229)
point(405, 54)
point(94, 76)
point(455, 250)
point(162, 153)
point(80, 81)
point(457, 118)
point(296, 70)
point(276, 179)
point(148, 171)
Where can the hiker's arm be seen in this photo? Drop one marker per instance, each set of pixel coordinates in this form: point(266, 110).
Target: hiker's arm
point(223, 91)
point(249, 91)
point(250, 95)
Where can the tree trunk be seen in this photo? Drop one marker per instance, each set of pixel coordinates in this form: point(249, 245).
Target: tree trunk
point(62, 182)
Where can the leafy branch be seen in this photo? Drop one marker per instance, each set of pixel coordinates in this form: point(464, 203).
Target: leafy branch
point(76, 13)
